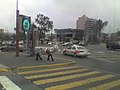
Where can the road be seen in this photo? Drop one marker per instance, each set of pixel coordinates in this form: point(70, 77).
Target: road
point(100, 58)
point(99, 71)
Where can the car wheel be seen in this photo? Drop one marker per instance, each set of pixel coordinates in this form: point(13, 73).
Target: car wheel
point(3, 50)
point(64, 53)
point(21, 50)
point(84, 56)
point(113, 48)
point(75, 55)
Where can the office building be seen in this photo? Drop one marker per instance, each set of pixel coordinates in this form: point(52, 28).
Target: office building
point(68, 35)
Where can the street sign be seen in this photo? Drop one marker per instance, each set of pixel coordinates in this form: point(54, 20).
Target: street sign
point(26, 23)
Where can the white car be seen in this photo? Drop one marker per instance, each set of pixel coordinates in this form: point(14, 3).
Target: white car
point(49, 43)
point(76, 50)
point(67, 44)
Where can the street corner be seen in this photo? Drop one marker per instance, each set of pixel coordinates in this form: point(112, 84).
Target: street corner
point(4, 69)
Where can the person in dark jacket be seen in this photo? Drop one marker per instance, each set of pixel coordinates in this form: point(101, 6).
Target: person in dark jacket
point(49, 53)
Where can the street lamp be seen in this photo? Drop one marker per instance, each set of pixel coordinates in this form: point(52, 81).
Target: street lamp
point(17, 30)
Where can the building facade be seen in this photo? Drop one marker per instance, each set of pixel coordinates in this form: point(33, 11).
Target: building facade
point(67, 35)
point(89, 26)
point(3, 31)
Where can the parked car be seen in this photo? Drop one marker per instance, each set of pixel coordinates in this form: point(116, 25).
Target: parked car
point(82, 43)
point(12, 47)
point(76, 50)
point(67, 43)
point(113, 45)
point(49, 43)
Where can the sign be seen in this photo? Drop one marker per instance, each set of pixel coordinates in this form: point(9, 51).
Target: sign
point(20, 22)
point(26, 23)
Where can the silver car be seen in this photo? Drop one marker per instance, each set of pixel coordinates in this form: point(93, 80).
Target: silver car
point(76, 50)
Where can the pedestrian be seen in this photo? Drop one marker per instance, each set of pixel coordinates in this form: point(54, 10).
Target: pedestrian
point(38, 53)
point(49, 53)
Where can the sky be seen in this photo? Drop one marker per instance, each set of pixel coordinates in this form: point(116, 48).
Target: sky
point(63, 13)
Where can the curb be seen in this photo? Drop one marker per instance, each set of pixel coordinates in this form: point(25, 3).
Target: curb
point(51, 65)
point(4, 69)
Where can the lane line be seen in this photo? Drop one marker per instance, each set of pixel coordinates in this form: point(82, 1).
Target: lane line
point(8, 84)
point(105, 60)
point(55, 74)
point(51, 80)
point(101, 59)
point(107, 86)
point(79, 83)
point(48, 70)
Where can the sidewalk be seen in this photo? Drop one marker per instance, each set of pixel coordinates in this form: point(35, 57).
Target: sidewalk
point(8, 59)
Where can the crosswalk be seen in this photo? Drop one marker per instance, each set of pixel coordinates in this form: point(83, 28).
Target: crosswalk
point(70, 78)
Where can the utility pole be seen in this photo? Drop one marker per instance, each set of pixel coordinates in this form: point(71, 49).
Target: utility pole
point(17, 30)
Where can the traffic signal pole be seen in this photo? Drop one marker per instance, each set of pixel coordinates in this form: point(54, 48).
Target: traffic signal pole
point(17, 30)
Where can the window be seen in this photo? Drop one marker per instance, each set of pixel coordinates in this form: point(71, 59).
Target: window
point(68, 47)
point(74, 48)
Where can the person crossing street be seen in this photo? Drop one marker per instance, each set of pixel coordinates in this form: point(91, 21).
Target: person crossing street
point(38, 53)
point(49, 53)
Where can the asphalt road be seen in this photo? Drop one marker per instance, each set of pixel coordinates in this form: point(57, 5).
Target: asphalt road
point(101, 58)
point(99, 71)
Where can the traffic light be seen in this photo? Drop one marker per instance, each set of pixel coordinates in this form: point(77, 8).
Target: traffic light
point(26, 23)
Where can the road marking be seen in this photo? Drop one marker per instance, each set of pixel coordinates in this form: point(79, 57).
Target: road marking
point(51, 80)
point(51, 65)
point(107, 86)
point(105, 60)
point(8, 84)
point(56, 73)
point(79, 83)
point(63, 59)
point(4, 69)
point(100, 52)
point(101, 59)
point(48, 70)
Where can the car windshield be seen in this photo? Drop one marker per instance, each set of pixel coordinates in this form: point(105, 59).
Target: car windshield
point(80, 48)
point(59, 44)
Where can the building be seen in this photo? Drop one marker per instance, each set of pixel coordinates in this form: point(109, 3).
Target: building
point(80, 23)
point(89, 26)
point(3, 31)
point(67, 35)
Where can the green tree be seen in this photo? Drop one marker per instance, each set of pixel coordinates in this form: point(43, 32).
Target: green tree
point(43, 24)
point(7, 36)
point(2, 37)
point(51, 37)
point(13, 37)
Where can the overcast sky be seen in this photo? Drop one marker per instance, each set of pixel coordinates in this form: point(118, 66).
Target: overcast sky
point(63, 13)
